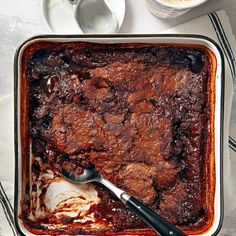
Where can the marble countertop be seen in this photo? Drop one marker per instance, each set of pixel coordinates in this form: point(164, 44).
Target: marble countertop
point(20, 20)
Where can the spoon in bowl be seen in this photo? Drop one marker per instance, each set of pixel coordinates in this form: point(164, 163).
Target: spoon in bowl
point(159, 224)
point(94, 16)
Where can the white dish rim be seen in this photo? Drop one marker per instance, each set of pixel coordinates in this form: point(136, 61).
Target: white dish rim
point(131, 38)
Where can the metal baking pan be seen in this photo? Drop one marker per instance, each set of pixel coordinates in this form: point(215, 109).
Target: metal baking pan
point(216, 168)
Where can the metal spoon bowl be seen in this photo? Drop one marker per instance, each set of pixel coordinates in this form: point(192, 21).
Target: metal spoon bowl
point(159, 224)
point(94, 16)
point(89, 175)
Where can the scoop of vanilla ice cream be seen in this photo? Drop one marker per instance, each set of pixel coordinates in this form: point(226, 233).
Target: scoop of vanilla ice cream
point(64, 198)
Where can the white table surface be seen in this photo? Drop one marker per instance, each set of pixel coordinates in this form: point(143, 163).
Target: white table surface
point(21, 19)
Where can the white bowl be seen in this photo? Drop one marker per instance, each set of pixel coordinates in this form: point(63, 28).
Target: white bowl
point(59, 15)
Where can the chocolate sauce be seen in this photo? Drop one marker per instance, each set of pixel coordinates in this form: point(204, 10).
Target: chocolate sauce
point(139, 114)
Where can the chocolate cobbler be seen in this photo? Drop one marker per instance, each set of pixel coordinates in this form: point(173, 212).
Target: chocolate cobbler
point(139, 113)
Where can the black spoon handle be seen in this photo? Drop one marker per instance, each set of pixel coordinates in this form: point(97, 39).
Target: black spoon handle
point(160, 225)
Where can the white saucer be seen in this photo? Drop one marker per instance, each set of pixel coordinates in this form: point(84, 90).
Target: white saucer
point(59, 15)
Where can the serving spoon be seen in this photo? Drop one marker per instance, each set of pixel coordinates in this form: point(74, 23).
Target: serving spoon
point(159, 224)
point(94, 16)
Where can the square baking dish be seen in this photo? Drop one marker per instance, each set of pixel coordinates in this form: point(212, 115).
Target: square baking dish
point(215, 188)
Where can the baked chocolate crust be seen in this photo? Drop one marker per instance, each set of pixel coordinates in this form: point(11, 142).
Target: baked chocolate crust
point(139, 113)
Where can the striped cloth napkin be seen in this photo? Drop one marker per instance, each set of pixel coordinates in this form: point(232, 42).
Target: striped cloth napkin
point(216, 26)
